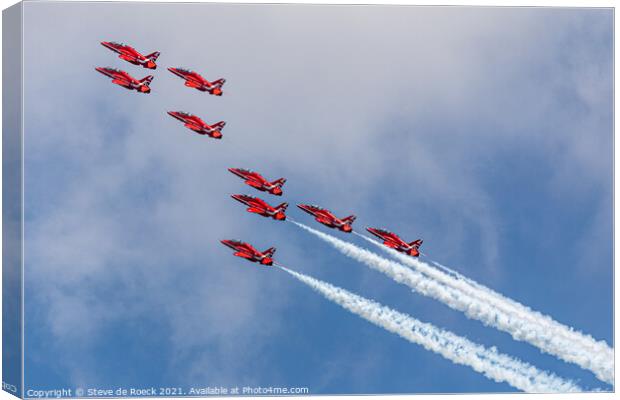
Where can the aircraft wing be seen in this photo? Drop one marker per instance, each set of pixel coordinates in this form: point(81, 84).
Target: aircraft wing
point(243, 255)
point(324, 220)
point(254, 183)
point(193, 127)
point(121, 82)
point(192, 84)
point(128, 57)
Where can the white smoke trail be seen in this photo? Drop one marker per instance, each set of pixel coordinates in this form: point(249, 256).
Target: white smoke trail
point(457, 275)
point(545, 339)
point(499, 301)
point(400, 256)
point(496, 366)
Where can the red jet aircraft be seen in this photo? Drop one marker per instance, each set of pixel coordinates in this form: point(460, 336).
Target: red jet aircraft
point(327, 218)
point(257, 181)
point(125, 80)
point(130, 54)
point(199, 126)
point(394, 241)
point(248, 252)
point(260, 207)
point(195, 80)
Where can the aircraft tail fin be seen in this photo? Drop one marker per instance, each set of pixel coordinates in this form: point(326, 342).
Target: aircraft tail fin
point(349, 219)
point(269, 252)
point(282, 207)
point(219, 83)
point(279, 182)
point(416, 243)
point(153, 56)
point(219, 125)
point(146, 80)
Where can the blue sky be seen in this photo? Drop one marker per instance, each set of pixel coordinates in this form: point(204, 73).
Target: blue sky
point(485, 131)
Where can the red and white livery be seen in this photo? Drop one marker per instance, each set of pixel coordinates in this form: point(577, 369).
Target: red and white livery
point(127, 81)
point(260, 207)
point(392, 240)
point(247, 251)
point(194, 80)
point(131, 55)
point(326, 218)
point(198, 125)
point(257, 181)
